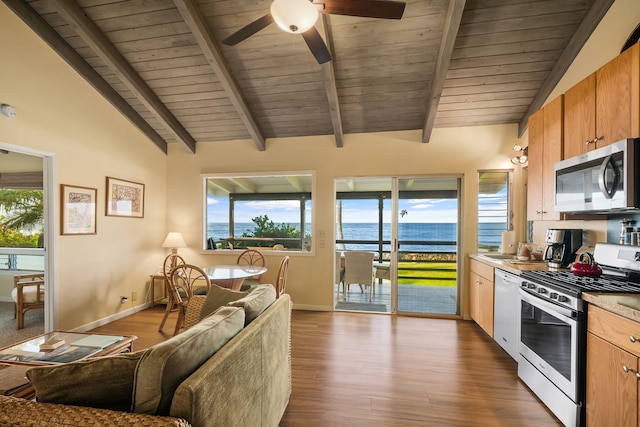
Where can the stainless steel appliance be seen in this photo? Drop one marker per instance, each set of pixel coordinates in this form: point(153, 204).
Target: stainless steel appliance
point(602, 180)
point(552, 351)
point(506, 330)
point(562, 245)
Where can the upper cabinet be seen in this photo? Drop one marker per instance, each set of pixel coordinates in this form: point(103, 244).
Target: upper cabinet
point(604, 107)
point(545, 149)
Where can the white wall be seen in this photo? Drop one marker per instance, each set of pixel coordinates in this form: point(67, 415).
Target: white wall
point(60, 113)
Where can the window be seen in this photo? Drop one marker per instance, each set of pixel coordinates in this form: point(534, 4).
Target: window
point(494, 208)
point(259, 211)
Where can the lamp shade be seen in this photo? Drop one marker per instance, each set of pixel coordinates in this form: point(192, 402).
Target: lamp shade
point(294, 16)
point(174, 240)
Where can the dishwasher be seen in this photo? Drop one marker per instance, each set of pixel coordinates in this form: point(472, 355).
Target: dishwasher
point(506, 314)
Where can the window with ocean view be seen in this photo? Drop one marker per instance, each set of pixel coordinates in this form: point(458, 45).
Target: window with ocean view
point(259, 211)
point(494, 208)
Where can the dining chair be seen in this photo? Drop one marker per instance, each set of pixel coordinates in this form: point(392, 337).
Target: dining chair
point(251, 257)
point(170, 262)
point(281, 281)
point(27, 294)
point(187, 280)
point(358, 269)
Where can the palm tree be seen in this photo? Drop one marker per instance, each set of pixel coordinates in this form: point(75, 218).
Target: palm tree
point(23, 211)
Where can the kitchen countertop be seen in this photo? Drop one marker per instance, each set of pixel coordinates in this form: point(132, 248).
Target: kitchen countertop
point(510, 265)
point(625, 305)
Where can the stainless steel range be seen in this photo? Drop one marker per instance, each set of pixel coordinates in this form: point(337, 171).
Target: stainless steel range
point(553, 327)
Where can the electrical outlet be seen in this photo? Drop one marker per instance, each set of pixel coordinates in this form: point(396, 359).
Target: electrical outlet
point(134, 295)
point(123, 299)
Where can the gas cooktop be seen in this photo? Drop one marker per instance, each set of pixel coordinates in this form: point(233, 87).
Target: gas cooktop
point(575, 285)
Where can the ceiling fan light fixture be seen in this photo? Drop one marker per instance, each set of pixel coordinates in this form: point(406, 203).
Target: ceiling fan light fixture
point(294, 16)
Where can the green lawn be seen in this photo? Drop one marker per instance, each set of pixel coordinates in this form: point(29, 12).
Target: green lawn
point(427, 273)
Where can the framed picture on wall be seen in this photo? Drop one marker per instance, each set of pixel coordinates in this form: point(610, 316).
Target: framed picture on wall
point(124, 198)
point(79, 208)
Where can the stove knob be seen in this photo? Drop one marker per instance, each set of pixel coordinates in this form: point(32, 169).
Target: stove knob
point(531, 285)
point(553, 295)
point(542, 291)
point(562, 298)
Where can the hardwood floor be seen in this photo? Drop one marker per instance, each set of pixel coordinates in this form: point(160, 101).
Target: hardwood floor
point(352, 369)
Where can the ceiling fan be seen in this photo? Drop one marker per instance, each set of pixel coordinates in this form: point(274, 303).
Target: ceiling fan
point(299, 17)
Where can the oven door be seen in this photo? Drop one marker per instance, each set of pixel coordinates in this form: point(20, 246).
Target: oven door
point(549, 341)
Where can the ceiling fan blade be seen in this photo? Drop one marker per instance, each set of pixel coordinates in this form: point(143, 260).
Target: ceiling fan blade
point(365, 8)
point(316, 45)
point(248, 30)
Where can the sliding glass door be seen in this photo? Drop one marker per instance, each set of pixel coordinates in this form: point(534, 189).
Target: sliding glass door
point(411, 227)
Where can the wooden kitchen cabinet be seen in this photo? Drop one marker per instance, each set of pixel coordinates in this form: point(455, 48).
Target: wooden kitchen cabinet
point(481, 291)
point(613, 382)
point(604, 107)
point(545, 149)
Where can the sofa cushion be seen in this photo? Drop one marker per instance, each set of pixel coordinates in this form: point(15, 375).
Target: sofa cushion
point(261, 297)
point(103, 382)
point(217, 297)
point(167, 364)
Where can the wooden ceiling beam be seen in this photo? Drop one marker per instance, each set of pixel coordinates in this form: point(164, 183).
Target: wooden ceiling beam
point(329, 81)
point(200, 30)
point(91, 34)
point(591, 20)
point(449, 34)
point(39, 26)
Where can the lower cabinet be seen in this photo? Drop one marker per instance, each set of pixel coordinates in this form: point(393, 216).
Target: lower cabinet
point(481, 294)
point(613, 369)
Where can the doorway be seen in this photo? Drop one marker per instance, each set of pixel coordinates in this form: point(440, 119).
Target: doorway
point(29, 170)
point(411, 225)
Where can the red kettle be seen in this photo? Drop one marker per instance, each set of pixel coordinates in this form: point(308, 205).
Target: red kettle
point(585, 266)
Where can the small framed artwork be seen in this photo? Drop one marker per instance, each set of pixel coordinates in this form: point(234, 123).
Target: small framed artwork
point(79, 207)
point(124, 198)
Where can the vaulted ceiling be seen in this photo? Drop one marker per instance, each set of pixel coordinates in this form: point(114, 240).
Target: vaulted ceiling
point(446, 63)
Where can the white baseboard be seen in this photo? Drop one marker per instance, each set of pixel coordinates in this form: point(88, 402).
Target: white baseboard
point(109, 319)
point(6, 299)
point(308, 307)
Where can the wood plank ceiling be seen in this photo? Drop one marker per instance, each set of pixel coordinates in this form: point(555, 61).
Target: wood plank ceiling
point(446, 63)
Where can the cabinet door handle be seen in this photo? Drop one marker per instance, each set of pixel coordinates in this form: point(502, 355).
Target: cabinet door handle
point(627, 369)
point(588, 141)
point(633, 339)
point(598, 138)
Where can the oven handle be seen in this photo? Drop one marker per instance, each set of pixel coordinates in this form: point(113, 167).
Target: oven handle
point(565, 312)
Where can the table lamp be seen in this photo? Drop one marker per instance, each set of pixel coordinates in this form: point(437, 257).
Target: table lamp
point(174, 241)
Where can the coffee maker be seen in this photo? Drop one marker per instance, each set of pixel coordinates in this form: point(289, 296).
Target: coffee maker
point(562, 245)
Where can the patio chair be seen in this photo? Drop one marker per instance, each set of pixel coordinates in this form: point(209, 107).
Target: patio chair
point(27, 294)
point(339, 272)
point(358, 269)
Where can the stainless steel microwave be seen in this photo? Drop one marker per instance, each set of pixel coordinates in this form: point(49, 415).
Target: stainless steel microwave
point(602, 180)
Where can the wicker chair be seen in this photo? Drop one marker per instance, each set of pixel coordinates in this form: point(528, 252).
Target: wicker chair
point(170, 262)
point(251, 257)
point(27, 294)
point(281, 281)
point(187, 280)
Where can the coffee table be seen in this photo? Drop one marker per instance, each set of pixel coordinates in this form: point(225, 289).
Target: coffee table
point(76, 346)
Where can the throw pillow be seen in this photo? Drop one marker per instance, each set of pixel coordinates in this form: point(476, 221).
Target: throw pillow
point(217, 297)
point(261, 297)
point(103, 382)
point(167, 364)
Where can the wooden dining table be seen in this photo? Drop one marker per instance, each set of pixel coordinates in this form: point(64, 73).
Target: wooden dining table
point(232, 276)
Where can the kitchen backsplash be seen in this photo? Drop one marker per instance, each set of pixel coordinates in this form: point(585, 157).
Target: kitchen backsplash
point(614, 225)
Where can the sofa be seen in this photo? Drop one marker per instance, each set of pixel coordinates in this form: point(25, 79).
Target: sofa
point(232, 368)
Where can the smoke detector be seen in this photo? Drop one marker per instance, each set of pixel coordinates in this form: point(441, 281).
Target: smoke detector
point(7, 111)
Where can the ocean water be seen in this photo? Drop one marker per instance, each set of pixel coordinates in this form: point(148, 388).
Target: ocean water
point(409, 234)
